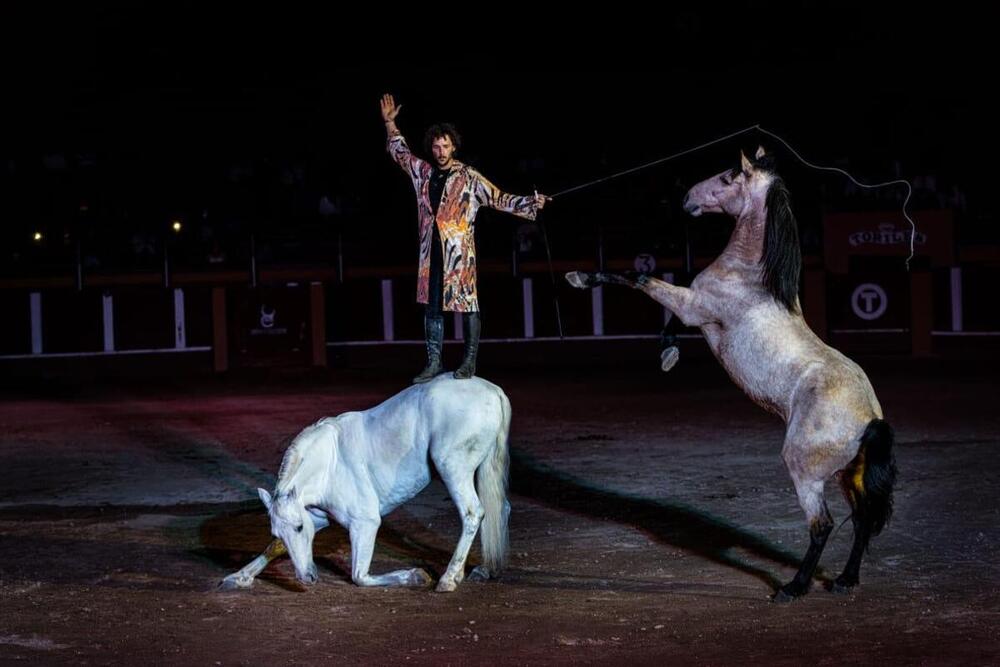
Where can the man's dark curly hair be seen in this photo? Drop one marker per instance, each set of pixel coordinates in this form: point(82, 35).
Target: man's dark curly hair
point(441, 130)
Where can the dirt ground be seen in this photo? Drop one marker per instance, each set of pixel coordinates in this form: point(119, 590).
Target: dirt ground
point(652, 519)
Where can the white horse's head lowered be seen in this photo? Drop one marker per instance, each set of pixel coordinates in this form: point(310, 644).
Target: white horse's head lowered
point(291, 523)
point(304, 468)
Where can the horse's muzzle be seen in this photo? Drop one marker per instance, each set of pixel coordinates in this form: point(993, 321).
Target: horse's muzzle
point(690, 207)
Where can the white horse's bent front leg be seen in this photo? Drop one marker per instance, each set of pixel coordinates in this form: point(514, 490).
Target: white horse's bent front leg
point(244, 578)
point(363, 546)
point(276, 549)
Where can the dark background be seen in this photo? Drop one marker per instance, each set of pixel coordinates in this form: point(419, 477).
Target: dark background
point(233, 120)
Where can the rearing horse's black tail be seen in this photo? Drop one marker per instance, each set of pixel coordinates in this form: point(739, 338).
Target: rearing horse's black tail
point(869, 480)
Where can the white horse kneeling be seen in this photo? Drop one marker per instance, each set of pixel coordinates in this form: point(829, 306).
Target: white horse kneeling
point(359, 466)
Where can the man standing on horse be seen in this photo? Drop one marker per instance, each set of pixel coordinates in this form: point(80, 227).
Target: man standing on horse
point(449, 194)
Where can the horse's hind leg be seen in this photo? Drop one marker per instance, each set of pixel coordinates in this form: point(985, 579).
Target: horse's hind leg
point(463, 493)
point(482, 572)
point(363, 546)
point(810, 494)
point(867, 484)
point(850, 577)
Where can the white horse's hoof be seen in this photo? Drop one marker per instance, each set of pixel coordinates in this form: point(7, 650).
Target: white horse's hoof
point(234, 583)
point(668, 358)
point(419, 577)
point(576, 279)
point(479, 573)
point(446, 586)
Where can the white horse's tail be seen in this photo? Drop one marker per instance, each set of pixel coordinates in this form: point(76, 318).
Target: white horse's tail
point(491, 485)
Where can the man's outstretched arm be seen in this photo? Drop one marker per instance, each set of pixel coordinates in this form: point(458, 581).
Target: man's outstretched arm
point(395, 143)
point(522, 206)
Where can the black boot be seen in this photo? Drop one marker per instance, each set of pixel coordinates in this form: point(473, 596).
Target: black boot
point(470, 332)
point(434, 334)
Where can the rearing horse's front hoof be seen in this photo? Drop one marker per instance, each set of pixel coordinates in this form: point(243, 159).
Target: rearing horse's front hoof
point(668, 358)
point(578, 279)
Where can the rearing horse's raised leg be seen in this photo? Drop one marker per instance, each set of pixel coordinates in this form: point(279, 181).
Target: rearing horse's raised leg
point(691, 306)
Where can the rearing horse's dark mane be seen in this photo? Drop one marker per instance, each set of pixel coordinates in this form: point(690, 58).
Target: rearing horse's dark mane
point(781, 260)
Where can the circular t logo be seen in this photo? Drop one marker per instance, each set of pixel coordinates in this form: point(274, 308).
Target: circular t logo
point(869, 301)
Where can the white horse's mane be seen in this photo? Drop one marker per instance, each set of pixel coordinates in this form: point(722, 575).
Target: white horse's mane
point(296, 453)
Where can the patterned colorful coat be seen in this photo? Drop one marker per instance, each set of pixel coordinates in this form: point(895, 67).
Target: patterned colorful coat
point(465, 191)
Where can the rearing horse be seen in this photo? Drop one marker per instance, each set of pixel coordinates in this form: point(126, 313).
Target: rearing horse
point(746, 304)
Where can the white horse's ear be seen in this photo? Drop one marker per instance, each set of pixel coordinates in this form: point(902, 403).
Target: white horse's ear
point(745, 164)
point(265, 498)
point(292, 494)
point(760, 153)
